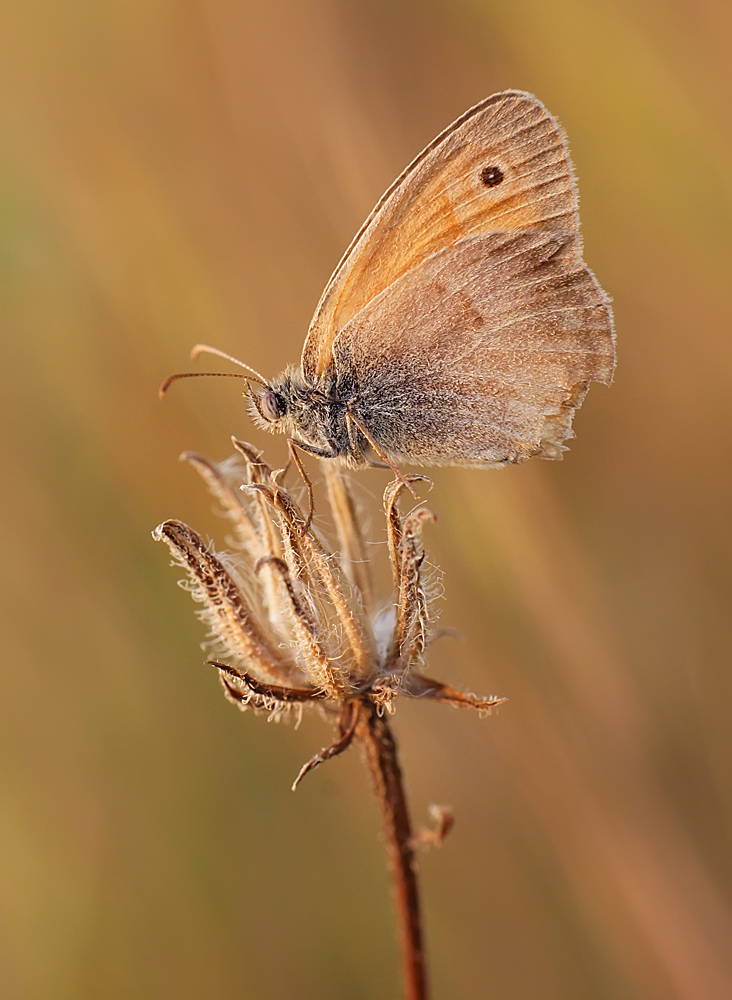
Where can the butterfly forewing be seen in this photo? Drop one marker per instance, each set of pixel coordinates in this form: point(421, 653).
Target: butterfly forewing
point(503, 166)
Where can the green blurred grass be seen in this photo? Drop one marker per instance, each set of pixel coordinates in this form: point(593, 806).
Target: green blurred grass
point(171, 173)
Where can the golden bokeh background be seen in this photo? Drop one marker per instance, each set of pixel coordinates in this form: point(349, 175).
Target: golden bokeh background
point(173, 172)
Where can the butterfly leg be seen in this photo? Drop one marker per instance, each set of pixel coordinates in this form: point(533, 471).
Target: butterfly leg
point(292, 444)
point(405, 482)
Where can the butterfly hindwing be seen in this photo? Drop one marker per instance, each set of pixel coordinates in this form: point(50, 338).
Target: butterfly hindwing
point(480, 355)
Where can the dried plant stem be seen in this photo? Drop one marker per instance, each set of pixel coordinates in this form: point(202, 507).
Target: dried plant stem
point(296, 626)
point(374, 734)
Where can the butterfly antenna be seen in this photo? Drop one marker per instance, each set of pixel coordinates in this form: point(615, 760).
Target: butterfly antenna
point(174, 378)
point(205, 349)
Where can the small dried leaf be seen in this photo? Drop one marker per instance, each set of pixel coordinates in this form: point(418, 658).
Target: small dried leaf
point(351, 544)
point(324, 672)
point(419, 686)
point(443, 820)
point(410, 633)
point(347, 729)
point(246, 692)
point(394, 521)
point(231, 500)
point(227, 613)
point(309, 562)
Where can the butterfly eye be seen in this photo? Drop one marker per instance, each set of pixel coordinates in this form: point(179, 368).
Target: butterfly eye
point(491, 176)
point(271, 405)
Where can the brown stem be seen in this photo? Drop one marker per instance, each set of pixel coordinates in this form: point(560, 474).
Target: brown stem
point(375, 736)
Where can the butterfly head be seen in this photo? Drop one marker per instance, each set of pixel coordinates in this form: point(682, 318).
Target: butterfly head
point(284, 405)
point(307, 411)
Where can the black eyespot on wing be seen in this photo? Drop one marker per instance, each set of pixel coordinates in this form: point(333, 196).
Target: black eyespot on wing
point(491, 176)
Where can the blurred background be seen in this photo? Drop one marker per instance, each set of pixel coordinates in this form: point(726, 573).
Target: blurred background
point(174, 172)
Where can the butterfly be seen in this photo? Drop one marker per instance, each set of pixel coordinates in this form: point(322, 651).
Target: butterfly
point(462, 326)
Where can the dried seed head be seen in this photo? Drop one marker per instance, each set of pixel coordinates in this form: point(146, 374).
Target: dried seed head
point(293, 624)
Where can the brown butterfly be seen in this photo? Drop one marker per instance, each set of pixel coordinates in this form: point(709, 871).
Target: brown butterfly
point(462, 326)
